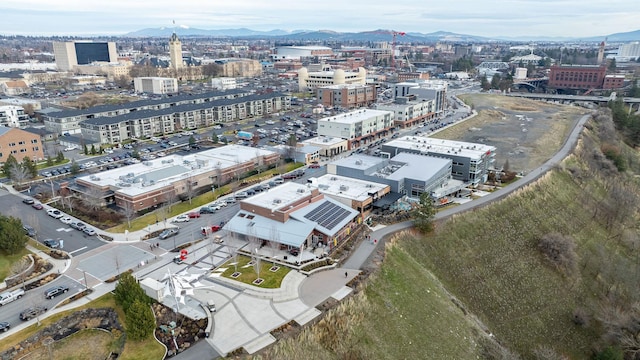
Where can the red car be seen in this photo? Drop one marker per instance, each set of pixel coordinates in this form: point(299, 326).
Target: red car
point(211, 229)
point(194, 215)
point(37, 206)
point(314, 166)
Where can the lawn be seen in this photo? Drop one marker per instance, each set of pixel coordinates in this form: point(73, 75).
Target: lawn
point(272, 279)
point(6, 260)
point(90, 344)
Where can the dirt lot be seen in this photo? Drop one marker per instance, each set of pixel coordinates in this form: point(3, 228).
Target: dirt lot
point(524, 131)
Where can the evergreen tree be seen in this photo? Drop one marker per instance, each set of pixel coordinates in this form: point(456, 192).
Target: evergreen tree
point(495, 81)
point(75, 168)
point(85, 150)
point(13, 238)
point(30, 167)
point(214, 138)
point(59, 157)
point(8, 165)
point(140, 321)
point(93, 149)
point(192, 141)
point(128, 290)
point(49, 161)
point(484, 83)
point(423, 214)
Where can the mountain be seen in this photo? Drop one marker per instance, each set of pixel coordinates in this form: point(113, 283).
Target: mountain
point(617, 37)
point(187, 31)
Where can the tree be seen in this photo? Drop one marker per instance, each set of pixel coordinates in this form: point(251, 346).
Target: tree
point(93, 199)
point(128, 291)
point(214, 138)
point(59, 157)
point(257, 265)
point(85, 150)
point(18, 174)
point(93, 149)
point(128, 211)
point(424, 213)
point(612, 65)
point(13, 238)
point(192, 140)
point(19, 269)
point(75, 168)
point(8, 165)
point(495, 81)
point(49, 161)
point(30, 167)
point(484, 83)
point(140, 321)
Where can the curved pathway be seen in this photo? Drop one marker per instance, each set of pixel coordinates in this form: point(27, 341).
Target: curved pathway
point(362, 255)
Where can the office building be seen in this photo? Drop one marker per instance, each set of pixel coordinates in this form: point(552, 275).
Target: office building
point(308, 80)
point(70, 54)
point(297, 52)
point(577, 77)
point(359, 127)
point(155, 85)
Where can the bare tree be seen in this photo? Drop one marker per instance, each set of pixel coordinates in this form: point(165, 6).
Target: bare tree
point(93, 199)
point(34, 222)
point(19, 174)
point(19, 269)
point(170, 198)
point(191, 186)
point(254, 241)
point(257, 264)
point(128, 211)
point(274, 243)
point(67, 202)
point(219, 174)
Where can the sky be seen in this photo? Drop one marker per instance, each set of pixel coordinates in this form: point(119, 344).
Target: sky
point(553, 18)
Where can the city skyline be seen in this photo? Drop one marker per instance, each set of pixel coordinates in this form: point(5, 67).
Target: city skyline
point(546, 18)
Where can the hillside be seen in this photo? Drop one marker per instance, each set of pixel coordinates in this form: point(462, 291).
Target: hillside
point(574, 302)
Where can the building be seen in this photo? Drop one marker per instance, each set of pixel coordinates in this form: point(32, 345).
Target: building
point(13, 116)
point(294, 216)
point(298, 52)
point(630, 50)
point(224, 83)
point(237, 67)
point(470, 162)
point(20, 144)
point(70, 54)
point(328, 146)
point(359, 127)
point(408, 111)
point(578, 77)
point(311, 80)
point(406, 174)
point(525, 60)
point(435, 90)
point(347, 96)
point(14, 87)
point(357, 194)
point(155, 85)
point(614, 81)
point(175, 52)
point(152, 183)
point(520, 73)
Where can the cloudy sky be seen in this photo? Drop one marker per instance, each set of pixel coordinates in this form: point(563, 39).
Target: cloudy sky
point(566, 18)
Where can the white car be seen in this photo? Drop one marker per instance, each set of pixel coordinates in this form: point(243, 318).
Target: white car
point(269, 122)
point(66, 220)
point(55, 213)
point(71, 148)
point(181, 218)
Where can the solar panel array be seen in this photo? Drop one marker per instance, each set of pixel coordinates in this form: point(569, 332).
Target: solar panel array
point(328, 215)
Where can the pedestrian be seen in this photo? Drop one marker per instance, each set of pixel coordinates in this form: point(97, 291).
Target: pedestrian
point(151, 246)
point(346, 274)
point(157, 245)
point(375, 241)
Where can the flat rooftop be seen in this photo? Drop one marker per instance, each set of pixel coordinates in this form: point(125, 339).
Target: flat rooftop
point(355, 116)
point(360, 161)
point(413, 166)
point(279, 197)
point(440, 146)
point(154, 174)
point(346, 187)
point(323, 141)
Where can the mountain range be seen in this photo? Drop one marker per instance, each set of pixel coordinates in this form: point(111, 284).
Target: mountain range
point(374, 35)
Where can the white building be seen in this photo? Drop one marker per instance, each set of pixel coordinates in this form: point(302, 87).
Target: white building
point(359, 126)
point(631, 50)
point(224, 83)
point(297, 52)
point(311, 80)
point(358, 194)
point(73, 53)
point(407, 112)
point(424, 89)
point(155, 85)
point(521, 73)
point(13, 116)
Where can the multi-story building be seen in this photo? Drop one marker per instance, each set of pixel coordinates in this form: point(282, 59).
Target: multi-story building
point(408, 111)
point(20, 144)
point(630, 50)
point(297, 52)
point(147, 123)
point(14, 87)
point(358, 194)
point(72, 53)
point(614, 81)
point(13, 116)
point(155, 85)
point(237, 67)
point(359, 127)
point(312, 80)
point(578, 77)
point(224, 83)
point(470, 162)
point(347, 96)
point(435, 90)
point(152, 183)
point(294, 216)
point(329, 146)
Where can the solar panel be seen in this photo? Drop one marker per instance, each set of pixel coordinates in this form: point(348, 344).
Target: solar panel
point(327, 215)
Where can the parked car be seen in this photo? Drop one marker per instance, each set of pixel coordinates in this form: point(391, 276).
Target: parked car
point(30, 231)
point(78, 225)
point(89, 231)
point(314, 166)
point(207, 210)
point(55, 291)
point(55, 213)
point(52, 243)
point(193, 215)
point(168, 233)
point(294, 251)
point(37, 206)
point(28, 201)
point(32, 312)
point(66, 220)
point(181, 218)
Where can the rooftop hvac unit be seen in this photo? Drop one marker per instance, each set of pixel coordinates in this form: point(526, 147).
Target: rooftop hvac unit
point(344, 188)
point(358, 162)
point(300, 191)
point(94, 178)
point(333, 178)
point(277, 201)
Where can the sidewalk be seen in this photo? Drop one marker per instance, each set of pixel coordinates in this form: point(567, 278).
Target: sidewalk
point(59, 265)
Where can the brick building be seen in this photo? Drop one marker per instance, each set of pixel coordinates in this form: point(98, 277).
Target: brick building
point(20, 144)
point(347, 95)
point(577, 76)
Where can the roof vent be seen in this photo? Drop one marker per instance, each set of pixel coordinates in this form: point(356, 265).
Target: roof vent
point(277, 201)
point(300, 191)
point(344, 188)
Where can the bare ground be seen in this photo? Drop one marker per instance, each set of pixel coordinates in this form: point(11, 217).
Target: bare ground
point(525, 132)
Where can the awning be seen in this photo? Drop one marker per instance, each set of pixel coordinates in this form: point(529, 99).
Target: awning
point(387, 200)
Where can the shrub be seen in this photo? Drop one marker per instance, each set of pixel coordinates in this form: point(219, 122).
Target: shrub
point(560, 250)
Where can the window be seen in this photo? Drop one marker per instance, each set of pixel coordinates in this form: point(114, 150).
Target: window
point(12, 144)
point(35, 148)
point(34, 141)
point(20, 142)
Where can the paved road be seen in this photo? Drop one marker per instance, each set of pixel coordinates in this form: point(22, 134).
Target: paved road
point(365, 250)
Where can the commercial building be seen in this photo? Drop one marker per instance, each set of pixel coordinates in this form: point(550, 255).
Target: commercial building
point(297, 52)
point(237, 67)
point(14, 87)
point(359, 127)
point(347, 96)
point(435, 90)
point(294, 216)
point(224, 83)
point(13, 116)
point(70, 54)
point(20, 144)
point(470, 162)
point(406, 174)
point(630, 50)
point(152, 183)
point(578, 77)
point(357, 194)
point(328, 146)
point(311, 80)
point(155, 85)
point(409, 111)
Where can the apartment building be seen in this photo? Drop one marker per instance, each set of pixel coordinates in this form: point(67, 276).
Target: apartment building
point(347, 96)
point(409, 111)
point(13, 116)
point(155, 85)
point(359, 127)
point(435, 90)
point(20, 144)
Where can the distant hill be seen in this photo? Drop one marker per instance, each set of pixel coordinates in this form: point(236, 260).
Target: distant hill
point(374, 35)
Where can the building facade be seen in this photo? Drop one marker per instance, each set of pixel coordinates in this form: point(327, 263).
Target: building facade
point(347, 96)
point(155, 85)
point(20, 144)
point(175, 52)
point(435, 90)
point(359, 127)
point(579, 77)
point(13, 116)
point(613, 81)
point(70, 54)
point(308, 80)
point(408, 111)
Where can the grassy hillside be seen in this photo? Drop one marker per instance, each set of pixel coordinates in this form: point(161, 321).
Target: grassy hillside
point(490, 260)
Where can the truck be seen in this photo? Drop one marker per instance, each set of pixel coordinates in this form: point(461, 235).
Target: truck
point(9, 296)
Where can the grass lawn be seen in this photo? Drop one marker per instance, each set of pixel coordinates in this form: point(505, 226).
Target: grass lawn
point(272, 279)
point(6, 260)
point(149, 349)
point(87, 344)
